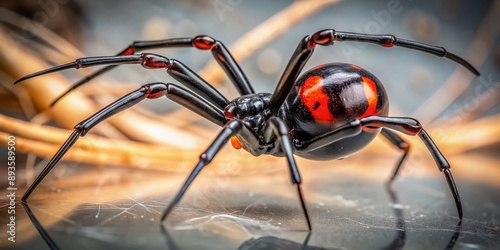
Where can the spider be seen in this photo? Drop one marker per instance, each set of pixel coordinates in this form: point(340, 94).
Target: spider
point(328, 112)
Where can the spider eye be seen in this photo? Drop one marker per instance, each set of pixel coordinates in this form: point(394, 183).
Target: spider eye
point(229, 112)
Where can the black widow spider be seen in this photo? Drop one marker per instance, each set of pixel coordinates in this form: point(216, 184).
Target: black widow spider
point(329, 112)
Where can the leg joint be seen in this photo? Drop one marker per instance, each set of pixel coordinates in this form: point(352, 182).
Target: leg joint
point(204, 42)
point(404, 146)
point(324, 37)
point(205, 159)
point(405, 125)
point(155, 90)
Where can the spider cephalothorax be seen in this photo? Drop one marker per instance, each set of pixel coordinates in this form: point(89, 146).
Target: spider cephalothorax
point(252, 109)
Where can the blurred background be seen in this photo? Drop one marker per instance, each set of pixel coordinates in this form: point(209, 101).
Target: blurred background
point(112, 186)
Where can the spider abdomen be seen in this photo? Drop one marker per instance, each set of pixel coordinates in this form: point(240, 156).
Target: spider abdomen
point(332, 95)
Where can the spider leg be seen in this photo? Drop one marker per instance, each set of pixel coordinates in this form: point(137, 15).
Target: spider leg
point(153, 90)
point(327, 37)
point(229, 130)
point(389, 41)
point(175, 68)
point(405, 125)
point(400, 239)
point(412, 127)
point(202, 42)
point(276, 127)
point(130, 50)
point(401, 144)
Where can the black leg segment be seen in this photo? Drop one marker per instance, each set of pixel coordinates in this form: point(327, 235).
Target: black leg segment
point(412, 127)
point(390, 41)
point(229, 130)
point(276, 127)
point(201, 42)
point(149, 61)
point(397, 141)
point(226, 61)
point(151, 91)
point(130, 50)
point(444, 167)
point(400, 239)
point(297, 62)
point(405, 125)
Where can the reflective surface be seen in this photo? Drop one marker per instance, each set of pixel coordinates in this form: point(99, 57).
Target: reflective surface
point(350, 209)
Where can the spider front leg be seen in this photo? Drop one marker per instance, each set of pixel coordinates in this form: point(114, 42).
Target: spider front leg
point(130, 50)
point(229, 130)
point(276, 127)
point(151, 91)
point(202, 42)
point(176, 69)
point(405, 125)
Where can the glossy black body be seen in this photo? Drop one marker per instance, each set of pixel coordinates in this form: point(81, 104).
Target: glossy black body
point(343, 85)
point(344, 88)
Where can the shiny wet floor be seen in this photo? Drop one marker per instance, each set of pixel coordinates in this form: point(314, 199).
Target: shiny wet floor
point(349, 209)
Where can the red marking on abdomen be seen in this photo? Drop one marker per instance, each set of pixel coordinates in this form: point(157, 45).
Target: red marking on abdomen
point(371, 96)
point(315, 99)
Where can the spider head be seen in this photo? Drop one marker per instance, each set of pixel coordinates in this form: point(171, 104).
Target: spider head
point(252, 109)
